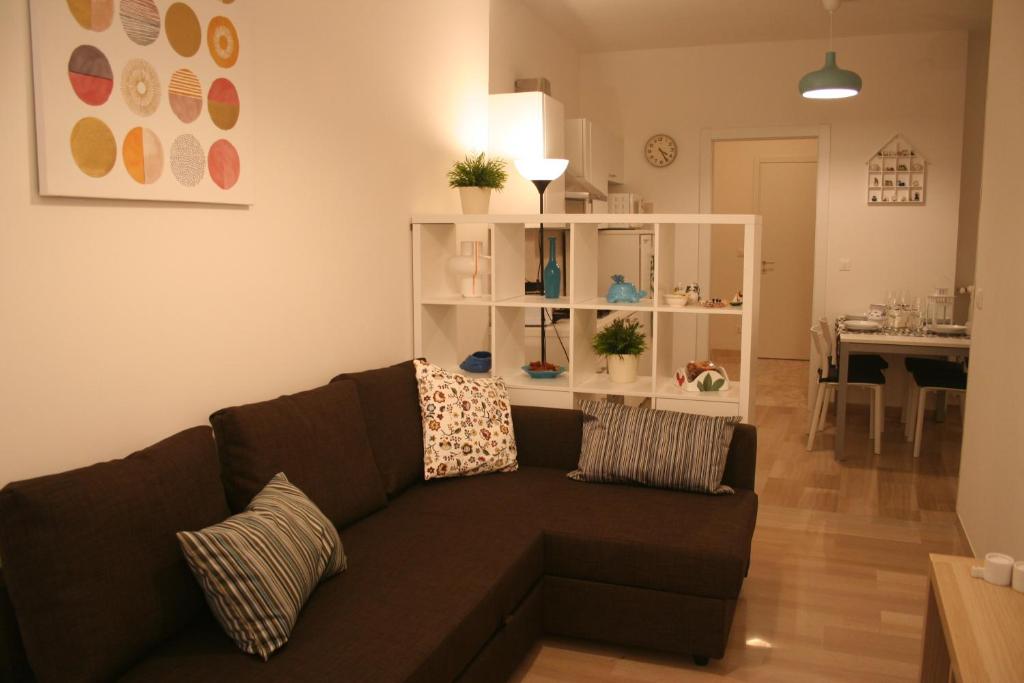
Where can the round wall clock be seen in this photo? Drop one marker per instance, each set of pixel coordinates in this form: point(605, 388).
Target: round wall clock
point(660, 150)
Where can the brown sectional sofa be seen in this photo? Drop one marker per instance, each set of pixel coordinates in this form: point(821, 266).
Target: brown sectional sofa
point(447, 580)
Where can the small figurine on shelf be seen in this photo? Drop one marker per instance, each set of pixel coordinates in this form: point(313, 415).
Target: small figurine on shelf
point(875, 183)
point(917, 196)
point(876, 167)
point(902, 167)
point(888, 183)
point(901, 183)
point(737, 299)
point(874, 197)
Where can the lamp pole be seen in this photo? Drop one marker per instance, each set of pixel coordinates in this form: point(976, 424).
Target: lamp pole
point(541, 186)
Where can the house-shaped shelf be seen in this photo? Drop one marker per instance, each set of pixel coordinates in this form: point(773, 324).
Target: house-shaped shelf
point(897, 174)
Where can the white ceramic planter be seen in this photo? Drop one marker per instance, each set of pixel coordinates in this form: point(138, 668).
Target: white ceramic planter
point(622, 369)
point(472, 269)
point(475, 199)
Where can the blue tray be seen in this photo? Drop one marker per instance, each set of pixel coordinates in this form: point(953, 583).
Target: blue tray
point(544, 374)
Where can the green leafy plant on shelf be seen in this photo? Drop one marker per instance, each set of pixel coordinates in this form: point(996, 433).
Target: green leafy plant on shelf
point(478, 171)
point(622, 337)
point(709, 383)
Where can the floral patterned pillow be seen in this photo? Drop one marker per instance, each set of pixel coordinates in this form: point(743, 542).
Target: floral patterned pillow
point(467, 424)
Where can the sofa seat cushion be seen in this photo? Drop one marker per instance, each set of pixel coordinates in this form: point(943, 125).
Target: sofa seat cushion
point(317, 438)
point(611, 533)
point(91, 561)
point(422, 595)
point(689, 543)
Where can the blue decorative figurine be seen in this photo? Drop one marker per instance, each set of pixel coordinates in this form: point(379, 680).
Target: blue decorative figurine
point(552, 274)
point(623, 292)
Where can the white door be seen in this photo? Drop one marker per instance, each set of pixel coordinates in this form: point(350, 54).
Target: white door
point(785, 190)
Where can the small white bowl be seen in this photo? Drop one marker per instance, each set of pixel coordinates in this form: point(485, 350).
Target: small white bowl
point(675, 300)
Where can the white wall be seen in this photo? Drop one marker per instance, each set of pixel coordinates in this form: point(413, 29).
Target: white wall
point(522, 45)
point(121, 322)
point(991, 496)
point(913, 84)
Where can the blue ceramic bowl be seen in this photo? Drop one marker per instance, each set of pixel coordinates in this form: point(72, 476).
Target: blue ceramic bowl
point(479, 361)
point(544, 374)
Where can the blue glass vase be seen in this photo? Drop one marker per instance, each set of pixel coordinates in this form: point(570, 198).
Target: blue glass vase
point(552, 274)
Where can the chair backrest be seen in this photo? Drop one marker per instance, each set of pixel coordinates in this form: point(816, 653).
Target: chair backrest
point(821, 346)
point(829, 338)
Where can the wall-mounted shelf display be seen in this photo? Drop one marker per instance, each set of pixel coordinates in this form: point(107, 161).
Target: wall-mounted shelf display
point(897, 174)
point(448, 327)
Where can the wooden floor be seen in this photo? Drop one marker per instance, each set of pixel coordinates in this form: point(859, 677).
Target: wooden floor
point(838, 581)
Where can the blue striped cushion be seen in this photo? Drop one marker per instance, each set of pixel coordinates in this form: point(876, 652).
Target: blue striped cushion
point(260, 566)
point(657, 448)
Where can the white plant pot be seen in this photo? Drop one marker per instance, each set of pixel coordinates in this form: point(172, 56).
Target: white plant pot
point(622, 369)
point(475, 200)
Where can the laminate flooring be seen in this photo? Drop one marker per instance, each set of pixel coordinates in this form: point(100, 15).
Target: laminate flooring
point(838, 580)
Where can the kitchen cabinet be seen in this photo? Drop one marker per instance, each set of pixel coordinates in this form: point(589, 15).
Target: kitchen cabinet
point(526, 125)
point(595, 157)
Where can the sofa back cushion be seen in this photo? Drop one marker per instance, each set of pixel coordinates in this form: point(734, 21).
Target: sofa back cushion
point(91, 560)
point(317, 438)
point(391, 405)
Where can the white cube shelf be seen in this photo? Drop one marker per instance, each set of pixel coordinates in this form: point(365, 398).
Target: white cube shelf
point(448, 327)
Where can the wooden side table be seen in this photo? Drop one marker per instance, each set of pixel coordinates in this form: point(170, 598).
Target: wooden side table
point(973, 631)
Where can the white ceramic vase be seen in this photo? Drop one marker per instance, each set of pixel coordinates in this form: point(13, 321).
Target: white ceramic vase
point(622, 369)
point(475, 200)
point(472, 267)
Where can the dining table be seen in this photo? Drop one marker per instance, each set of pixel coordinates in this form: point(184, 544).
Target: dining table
point(886, 341)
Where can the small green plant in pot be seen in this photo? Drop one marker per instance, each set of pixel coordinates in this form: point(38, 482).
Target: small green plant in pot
point(621, 342)
point(475, 177)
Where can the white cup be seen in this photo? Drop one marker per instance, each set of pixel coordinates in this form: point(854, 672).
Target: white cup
point(1018, 577)
point(998, 569)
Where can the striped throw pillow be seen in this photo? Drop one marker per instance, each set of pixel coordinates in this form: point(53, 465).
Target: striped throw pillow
point(260, 566)
point(657, 448)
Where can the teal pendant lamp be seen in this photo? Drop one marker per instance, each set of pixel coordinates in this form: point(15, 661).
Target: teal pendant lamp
point(830, 82)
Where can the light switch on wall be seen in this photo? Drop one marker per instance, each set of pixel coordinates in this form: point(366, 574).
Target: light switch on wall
point(844, 264)
point(979, 298)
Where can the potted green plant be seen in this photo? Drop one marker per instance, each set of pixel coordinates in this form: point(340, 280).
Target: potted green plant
point(621, 342)
point(475, 177)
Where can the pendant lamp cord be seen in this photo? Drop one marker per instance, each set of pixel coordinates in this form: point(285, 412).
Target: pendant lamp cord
point(830, 13)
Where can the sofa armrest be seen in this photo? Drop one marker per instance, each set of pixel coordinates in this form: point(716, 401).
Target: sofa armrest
point(13, 660)
point(548, 437)
point(741, 462)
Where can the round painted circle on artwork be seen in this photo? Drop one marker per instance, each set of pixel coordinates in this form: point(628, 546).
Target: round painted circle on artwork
point(141, 21)
point(188, 161)
point(90, 74)
point(222, 39)
point(143, 155)
point(93, 147)
point(185, 95)
point(183, 30)
point(223, 103)
point(224, 164)
point(94, 15)
point(140, 87)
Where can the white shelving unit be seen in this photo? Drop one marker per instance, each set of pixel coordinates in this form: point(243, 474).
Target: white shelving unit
point(448, 327)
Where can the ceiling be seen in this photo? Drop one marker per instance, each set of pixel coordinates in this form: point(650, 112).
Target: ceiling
point(610, 25)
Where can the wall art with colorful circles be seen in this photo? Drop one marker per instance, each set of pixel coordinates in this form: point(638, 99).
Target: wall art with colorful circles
point(144, 99)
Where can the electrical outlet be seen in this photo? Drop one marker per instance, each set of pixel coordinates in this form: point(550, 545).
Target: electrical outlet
point(844, 264)
point(979, 298)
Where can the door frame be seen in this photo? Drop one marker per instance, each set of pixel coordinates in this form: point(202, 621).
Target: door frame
point(822, 133)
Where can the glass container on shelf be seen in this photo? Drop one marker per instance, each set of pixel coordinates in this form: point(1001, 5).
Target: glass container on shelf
point(940, 307)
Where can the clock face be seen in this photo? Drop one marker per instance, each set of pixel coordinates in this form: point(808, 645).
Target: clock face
point(660, 150)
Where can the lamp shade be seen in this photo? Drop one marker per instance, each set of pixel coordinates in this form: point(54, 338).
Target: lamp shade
point(830, 82)
point(541, 169)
